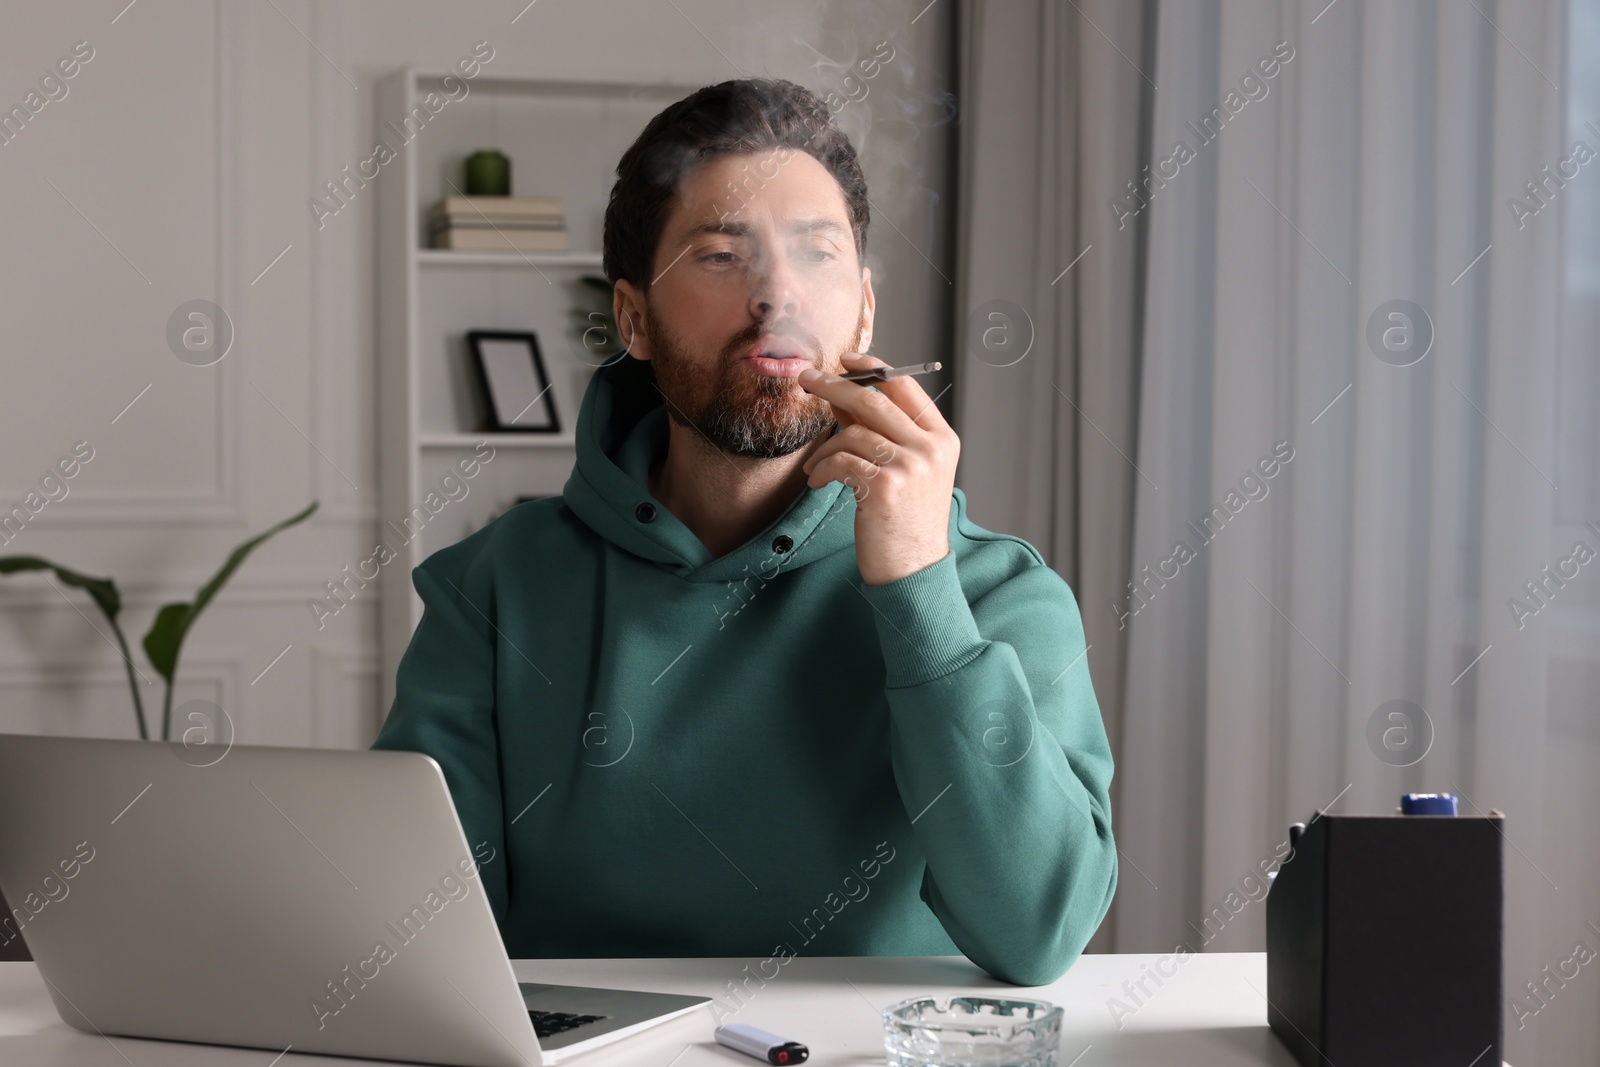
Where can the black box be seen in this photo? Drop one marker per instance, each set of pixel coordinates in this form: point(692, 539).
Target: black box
point(1384, 942)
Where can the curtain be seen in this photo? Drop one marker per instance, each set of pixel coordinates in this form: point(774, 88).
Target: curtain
point(1330, 387)
point(1047, 372)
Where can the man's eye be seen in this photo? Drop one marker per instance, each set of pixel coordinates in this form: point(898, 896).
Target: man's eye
point(713, 257)
point(820, 252)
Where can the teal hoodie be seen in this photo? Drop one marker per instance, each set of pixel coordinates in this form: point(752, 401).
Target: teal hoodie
point(665, 754)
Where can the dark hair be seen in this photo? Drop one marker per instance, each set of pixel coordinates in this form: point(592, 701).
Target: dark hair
point(744, 115)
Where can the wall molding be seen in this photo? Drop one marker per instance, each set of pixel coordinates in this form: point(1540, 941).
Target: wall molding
point(223, 667)
point(328, 670)
point(225, 506)
point(269, 588)
point(322, 273)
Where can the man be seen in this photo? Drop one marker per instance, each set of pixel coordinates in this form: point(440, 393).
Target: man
point(708, 703)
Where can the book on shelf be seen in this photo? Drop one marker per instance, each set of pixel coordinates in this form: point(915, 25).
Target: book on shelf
point(502, 240)
point(493, 223)
point(498, 223)
point(498, 206)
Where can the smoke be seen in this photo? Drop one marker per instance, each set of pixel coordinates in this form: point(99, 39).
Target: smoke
point(865, 66)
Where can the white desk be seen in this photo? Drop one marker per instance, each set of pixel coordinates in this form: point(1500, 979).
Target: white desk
point(1207, 1016)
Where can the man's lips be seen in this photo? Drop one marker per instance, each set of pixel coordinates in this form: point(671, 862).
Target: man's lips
point(778, 357)
point(778, 368)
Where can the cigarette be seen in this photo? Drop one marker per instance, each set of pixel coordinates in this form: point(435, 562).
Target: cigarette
point(883, 374)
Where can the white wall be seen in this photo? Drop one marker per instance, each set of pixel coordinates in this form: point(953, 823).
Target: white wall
point(177, 167)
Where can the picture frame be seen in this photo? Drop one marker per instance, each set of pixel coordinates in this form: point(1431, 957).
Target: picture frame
point(511, 376)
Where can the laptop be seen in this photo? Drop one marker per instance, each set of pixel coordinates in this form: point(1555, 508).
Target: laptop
point(277, 898)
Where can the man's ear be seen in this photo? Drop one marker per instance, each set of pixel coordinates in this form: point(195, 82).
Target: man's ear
point(628, 308)
point(869, 307)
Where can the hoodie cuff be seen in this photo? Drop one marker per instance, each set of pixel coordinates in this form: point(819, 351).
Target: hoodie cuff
point(925, 625)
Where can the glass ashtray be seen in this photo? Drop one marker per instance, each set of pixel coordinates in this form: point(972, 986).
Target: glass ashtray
point(972, 1031)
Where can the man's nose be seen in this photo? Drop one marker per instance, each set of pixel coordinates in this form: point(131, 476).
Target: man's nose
point(774, 288)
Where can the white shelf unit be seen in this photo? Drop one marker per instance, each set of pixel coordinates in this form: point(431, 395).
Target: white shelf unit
point(564, 139)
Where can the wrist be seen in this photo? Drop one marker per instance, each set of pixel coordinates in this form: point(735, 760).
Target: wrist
point(904, 566)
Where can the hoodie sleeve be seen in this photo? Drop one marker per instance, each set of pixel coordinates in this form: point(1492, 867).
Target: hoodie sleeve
point(1001, 759)
point(444, 706)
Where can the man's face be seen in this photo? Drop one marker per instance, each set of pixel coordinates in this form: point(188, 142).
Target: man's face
point(767, 264)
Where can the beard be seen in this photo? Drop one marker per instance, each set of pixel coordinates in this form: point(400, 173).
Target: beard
point(738, 410)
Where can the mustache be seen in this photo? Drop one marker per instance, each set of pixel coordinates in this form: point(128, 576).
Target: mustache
point(747, 337)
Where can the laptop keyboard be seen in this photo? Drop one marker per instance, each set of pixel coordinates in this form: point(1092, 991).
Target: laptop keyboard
point(550, 1023)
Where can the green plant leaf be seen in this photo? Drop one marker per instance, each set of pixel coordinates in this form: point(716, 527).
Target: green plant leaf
point(104, 590)
point(165, 638)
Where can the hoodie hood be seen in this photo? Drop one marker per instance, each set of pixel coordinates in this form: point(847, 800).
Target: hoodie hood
point(621, 432)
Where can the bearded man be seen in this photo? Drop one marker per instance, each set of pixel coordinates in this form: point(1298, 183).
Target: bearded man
point(755, 684)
